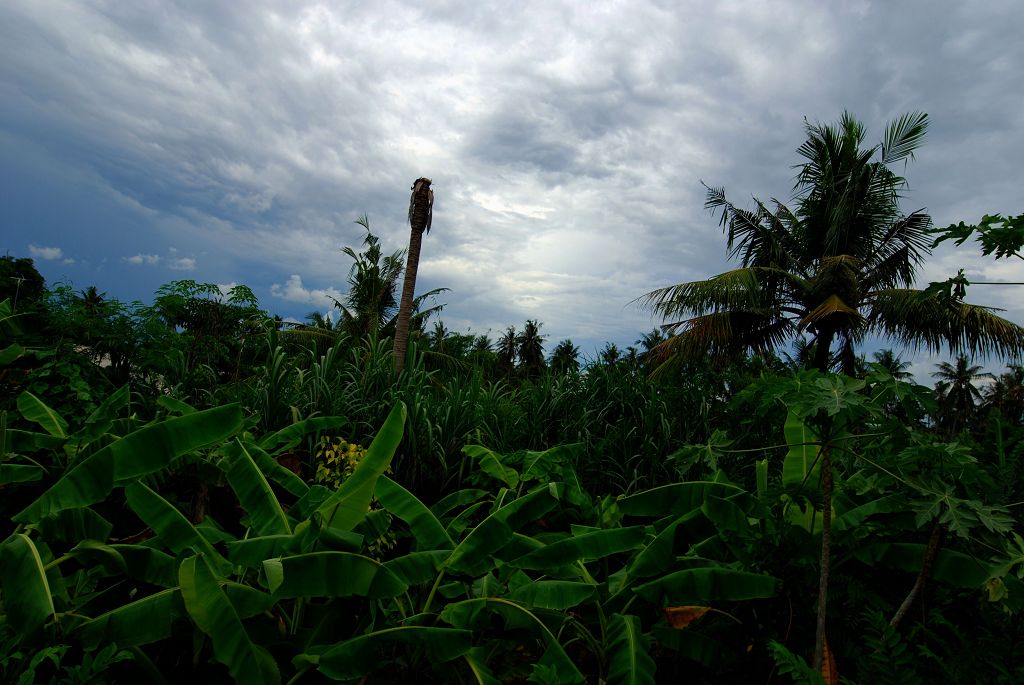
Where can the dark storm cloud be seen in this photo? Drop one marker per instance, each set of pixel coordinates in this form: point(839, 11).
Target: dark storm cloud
point(567, 143)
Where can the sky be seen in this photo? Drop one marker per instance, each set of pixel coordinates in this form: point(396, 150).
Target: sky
point(143, 142)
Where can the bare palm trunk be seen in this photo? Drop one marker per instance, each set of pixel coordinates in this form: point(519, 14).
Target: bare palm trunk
point(930, 552)
point(420, 215)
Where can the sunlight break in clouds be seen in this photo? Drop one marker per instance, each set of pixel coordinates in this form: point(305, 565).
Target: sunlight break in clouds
point(294, 291)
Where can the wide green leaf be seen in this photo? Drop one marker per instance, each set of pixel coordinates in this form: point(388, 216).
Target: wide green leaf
point(346, 507)
point(491, 464)
point(674, 499)
point(214, 614)
point(362, 655)
point(469, 614)
point(20, 473)
point(950, 566)
point(135, 561)
point(331, 574)
point(36, 411)
point(497, 530)
point(425, 527)
point(290, 436)
point(265, 513)
point(629, 662)
point(706, 584)
point(585, 547)
point(174, 530)
point(141, 622)
point(275, 471)
point(553, 594)
point(801, 465)
point(140, 453)
point(27, 601)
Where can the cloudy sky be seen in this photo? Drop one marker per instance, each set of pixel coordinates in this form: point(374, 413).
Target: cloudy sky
point(225, 142)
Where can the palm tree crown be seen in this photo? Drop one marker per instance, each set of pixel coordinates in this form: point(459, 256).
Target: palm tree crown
point(837, 266)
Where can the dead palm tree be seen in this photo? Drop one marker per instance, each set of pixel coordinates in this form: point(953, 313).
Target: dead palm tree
point(421, 206)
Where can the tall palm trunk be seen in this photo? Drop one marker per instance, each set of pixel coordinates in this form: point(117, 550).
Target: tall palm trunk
point(421, 205)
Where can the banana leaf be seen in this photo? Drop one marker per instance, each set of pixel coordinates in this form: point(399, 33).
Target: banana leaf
point(140, 453)
point(629, 662)
point(425, 527)
point(553, 594)
point(36, 411)
point(346, 507)
point(585, 547)
point(254, 493)
point(362, 655)
point(331, 574)
point(677, 498)
point(706, 584)
point(214, 614)
point(27, 601)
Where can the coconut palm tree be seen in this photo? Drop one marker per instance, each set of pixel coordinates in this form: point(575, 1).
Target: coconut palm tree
point(1007, 394)
point(507, 349)
point(565, 358)
point(421, 213)
point(530, 349)
point(837, 266)
point(893, 363)
point(958, 395)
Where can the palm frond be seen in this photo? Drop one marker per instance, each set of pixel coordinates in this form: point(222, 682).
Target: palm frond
point(923, 319)
point(903, 136)
point(736, 289)
point(831, 307)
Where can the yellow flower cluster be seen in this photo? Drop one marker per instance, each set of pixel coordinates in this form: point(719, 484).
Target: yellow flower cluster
point(336, 459)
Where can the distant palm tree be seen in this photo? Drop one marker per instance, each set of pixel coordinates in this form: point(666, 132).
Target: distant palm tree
point(565, 358)
point(530, 349)
point(610, 355)
point(838, 266)
point(957, 393)
point(421, 212)
point(507, 349)
point(893, 363)
point(1007, 394)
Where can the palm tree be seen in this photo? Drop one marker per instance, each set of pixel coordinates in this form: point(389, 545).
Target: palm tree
point(530, 349)
point(1007, 394)
point(421, 212)
point(565, 358)
point(893, 363)
point(837, 266)
point(957, 393)
point(507, 351)
point(373, 277)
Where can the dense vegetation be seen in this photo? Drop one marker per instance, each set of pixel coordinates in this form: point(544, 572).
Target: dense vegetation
point(193, 490)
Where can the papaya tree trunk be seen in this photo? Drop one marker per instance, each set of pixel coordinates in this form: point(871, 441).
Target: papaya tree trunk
point(826, 542)
point(930, 552)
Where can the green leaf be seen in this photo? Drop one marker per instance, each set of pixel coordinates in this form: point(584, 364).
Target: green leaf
point(175, 406)
point(706, 584)
point(455, 500)
point(27, 601)
point(585, 547)
point(214, 615)
point(33, 409)
point(135, 561)
point(11, 353)
point(659, 554)
point(20, 473)
point(415, 568)
point(72, 525)
point(101, 419)
point(174, 530)
point(628, 660)
point(362, 655)
point(425, 527)
point(275, 471)
point(346, 507)
point(144, 621)
point(254, 493)
point(289, 437)
point(674, 499)
point(331, 574)
point(801, 466)
point(497, 530)
point(950, 566)
point(553, 594)
point(555, 661)
point(540, 465)
point(490, 463)
point(140, 453)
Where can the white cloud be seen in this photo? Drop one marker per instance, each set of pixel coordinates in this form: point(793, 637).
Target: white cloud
point(182, 264)
point(142, 259)
point(47, 253)
point(294, 291)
